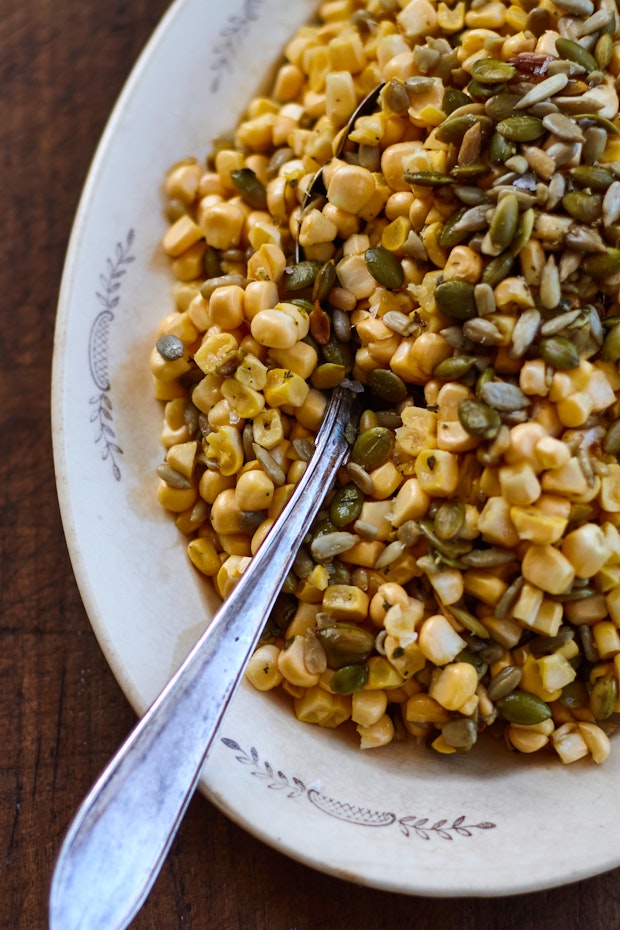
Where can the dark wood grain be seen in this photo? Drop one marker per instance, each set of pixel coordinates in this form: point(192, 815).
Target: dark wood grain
point(62, 64)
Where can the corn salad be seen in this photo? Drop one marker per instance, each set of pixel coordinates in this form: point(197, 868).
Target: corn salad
point(463, 265)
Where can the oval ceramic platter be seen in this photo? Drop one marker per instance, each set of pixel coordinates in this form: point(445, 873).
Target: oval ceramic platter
point(399, 818)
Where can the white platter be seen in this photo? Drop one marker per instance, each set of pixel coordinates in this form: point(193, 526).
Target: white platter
point(400, 818)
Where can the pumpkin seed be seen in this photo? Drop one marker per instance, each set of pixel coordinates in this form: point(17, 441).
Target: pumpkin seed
point(302, 275)
point(467, 620)
point(501, 106)
point(461, 733)
point(387, 385)
point(559, 352)
point(250, 188)
point(427, 178)
point(603, 697)
point(452, 232)
point(573, 51)
point(172, 477)
point(504, 682)
point(478, 419)
point(503, 226)
point(373, 447)
point(480, 92)
point(524, 231)
point(524, 708)
point(574, 695)
point(324, 281)
point(521, 128)
point(595, 177)
point(385, 267)
point(345, 644)
point(395, 96)
point(346, 505)
point(170, 347)
point(583, 207)
point(488, 558)
point(327, 375)
point(497, 269)
point(500, 149)
point(547, 88)
point(451, 369)
point(349, 679)
point(509, 598)
point(492, 71)
point(602, 266)
point(456, 299)
point(449, 518)
point(611, 444)
point(501, 395)
point(453, 99)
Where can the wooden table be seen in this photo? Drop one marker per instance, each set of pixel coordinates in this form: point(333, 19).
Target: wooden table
point(63, 63)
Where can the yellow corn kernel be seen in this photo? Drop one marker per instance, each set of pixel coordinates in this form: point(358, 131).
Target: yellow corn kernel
point(182, 457)
point(225, 513)
point(230, 573)
point(525, 741)
point(532, 525)
point(387, 596)
point(365, 553)
point(421, 708)
point(415, 358)
point(322, 707)
point(519, 484)
point(281, 497)
point(439, 641)
point(215, 350)
point(532, 378)
point(181, 236)
point(439, 744)
point(257, 296)
point(175, 499)
point(310, 414)
point(376, 734)
point(340, 96)
point(368, 707)
point(606, 639)
point(262, 671)
point(350, 187)
point(386, 479)
point(244, 400)
point(548, 618)
point(411, 502)
point(267, 263)
point(454, 685)
point(575, 410)
point(596, 740)
point(586, 549)
point(531, 681)
point(418, 432)
point(254, 490)
point(545, 567)
point(376, 514)
point(346, 602)
point(527, 604)
point(354, 275)
point(166, 371)
point(569, 743)
point(284, 388)
point(235, 544)
point(292, 665)
point(406, 657)
point(268, 429)
point(437, 471)
point(382, 675)
point(484, 586)
point(495, 525)
point(555, 671)
point(447, 585)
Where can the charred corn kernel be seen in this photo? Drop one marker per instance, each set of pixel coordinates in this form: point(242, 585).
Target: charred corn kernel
point(437, 471)
point(586, 549)
point(224, 445)
point(322, 707)
point(547, 568)
point(204, 556)
point(181, 236)
point(439, 642)
point(587, 610)
point(262, 671)
point(519, 484)
point(284, 388)
point(569, 743)
point(381, 675)
point(596, 740)
point(376, 734)
point(606, 639)
point(526, 741)
point(175, 499)
point(182, 457)
point(346, 602)
point(230, 574)
point(368, 707)
point(254, 490)
point(454, 685)
point(292, 666)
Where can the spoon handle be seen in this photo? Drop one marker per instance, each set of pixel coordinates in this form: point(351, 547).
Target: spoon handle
point(119, 837)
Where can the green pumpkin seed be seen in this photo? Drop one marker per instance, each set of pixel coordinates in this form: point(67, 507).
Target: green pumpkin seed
point(545, 645)
point(451, 369)
point(467, 620)
point(524, 231)
point(453, 130)
point(523, 708)
point(573, 51)
point(346, 505)
point(498, 269)
point(453, 99)
point(584, 207)
point(387, 385)
point(593, 119)
point(250, 188)
point(427, 178)
point(302, 275)
point(504, 222)
point(449, 519)
point(500, 149)
point(373, 447)
point(385, 267)
point(345, 644)
point(456, 299)
point(504, 683)
point(395, 96)
point(603, 697)
point(492, 71)
point(324, 281)
point(602, 265)
point(492, 652)
point(559, 352)
point(611, 444)
point(461, 733)
point(478, 419)
point(596, 177)
point(453, 549)
point(521, 128)
point(489, 558)
point(464, 172)
point(611, 345)
point(451, 234)
point(349, 679)
point(170, 347)
point(574, 695)
point(481, 92)
point(211, 263)
point(501, 106)
point(327, 375)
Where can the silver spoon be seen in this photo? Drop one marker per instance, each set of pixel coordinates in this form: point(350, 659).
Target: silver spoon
point(119, 838)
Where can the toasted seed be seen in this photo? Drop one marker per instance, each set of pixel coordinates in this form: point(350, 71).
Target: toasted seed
point(500, 149)
point(599, 20)
point(524, 708)
point(395, 96)
point(427, 178)
point(503, 224)
point(576, 7)
point(387, 385)
point(269, 464)
point(400, 322)
point(563, 127)
point(524, 332)
point(604, 48)
point(414, 247)
point(550, 291)
point(594, 144)
point(547, 88)
point(349, 679)
point(501, 395)
point(509, 598)
point(461, 733)
point(373, 447)
point(497, 269)
point(573, 51)
point(315, 658)
point(390, 554)
point(611, 204)
point(449, 518)
point(361, 478)
point(385, 267)
point(250, 188)
point(521, 128)
point(466, 619)
point(484, 299)
point(453, 99)
point(453, 129)
point(557, 323)
point(170, 347)
point(504, 682)
point(451, 369)
point(345, 644)
point(603, 266)
point(501, 105)
point(584, 239)
point(302, 275)
point(483, 332)
point(559, 352)
point(172, 477)
point(324, 281)
point(478, 419)
point(492, 71)
point(611, 444)
point(583, 207)
point(330, 544)
point(488, 558)
point(346, 505)
point(603, 697)
point(456, 299)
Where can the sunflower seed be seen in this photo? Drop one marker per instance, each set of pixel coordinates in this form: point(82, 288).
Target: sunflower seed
point(330, 544)
point(569, 263)
point(484, 298)
point(576, 7)
point(540, 162)
point(483, 332)
point(550, 290)
point(611, 204)
point(400, 323)
point(563, 152)
point(524, 332)
point(563, 127)
point(269, 464)
point(391, 552)
point(598, 20)
point(547, 88)
point(584, 239)
point(556, 190)
point(501, 395)
point(558, 323)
